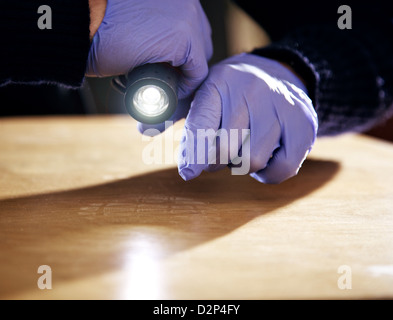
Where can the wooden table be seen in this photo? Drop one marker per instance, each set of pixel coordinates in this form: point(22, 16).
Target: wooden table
point(76, 196)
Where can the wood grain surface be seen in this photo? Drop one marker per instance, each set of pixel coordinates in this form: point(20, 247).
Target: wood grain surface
point(76, 195)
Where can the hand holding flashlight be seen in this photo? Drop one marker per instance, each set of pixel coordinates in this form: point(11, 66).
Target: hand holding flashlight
point(146, 32)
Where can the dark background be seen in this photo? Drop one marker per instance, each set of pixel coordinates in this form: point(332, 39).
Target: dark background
point(98, 97)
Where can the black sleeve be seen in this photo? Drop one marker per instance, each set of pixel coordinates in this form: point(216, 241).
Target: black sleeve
point(33, 56)
point(349, 73)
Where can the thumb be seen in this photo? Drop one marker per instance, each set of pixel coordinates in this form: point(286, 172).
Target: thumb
point(201, 125)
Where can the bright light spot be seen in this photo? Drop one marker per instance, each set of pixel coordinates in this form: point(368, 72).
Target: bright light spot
point(151, 101)
point(142, 268)
point(151, 95)
point(381, 270)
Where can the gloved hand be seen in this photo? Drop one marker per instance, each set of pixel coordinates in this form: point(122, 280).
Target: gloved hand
point(136, 32)
point(251, 92)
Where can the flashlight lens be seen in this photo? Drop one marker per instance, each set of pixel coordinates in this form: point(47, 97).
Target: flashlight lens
point(151, 100)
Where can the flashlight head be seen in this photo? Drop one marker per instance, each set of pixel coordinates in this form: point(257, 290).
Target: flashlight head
point(151, 93)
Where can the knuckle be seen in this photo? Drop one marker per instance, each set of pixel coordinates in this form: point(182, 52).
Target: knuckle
point(257, 164)
point(287, 169)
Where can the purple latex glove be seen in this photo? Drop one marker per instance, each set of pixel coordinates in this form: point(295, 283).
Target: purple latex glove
point(251, 92)
point(136, 32)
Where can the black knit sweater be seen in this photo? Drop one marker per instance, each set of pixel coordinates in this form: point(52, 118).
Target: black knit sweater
point(31, 55)
point(349, 73)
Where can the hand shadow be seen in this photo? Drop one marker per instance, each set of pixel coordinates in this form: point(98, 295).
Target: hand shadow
point(93, 230)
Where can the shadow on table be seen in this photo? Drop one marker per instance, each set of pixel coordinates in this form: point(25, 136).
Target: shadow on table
point(94, 230)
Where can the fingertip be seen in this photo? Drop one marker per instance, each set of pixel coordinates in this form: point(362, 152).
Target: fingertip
point(279, 169)
point(150, 130)
point(189, 173)
point(185, 175)
point(268, 179)
point(257, 177)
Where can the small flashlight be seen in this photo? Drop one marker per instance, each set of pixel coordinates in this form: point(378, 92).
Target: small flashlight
point(150, 92)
